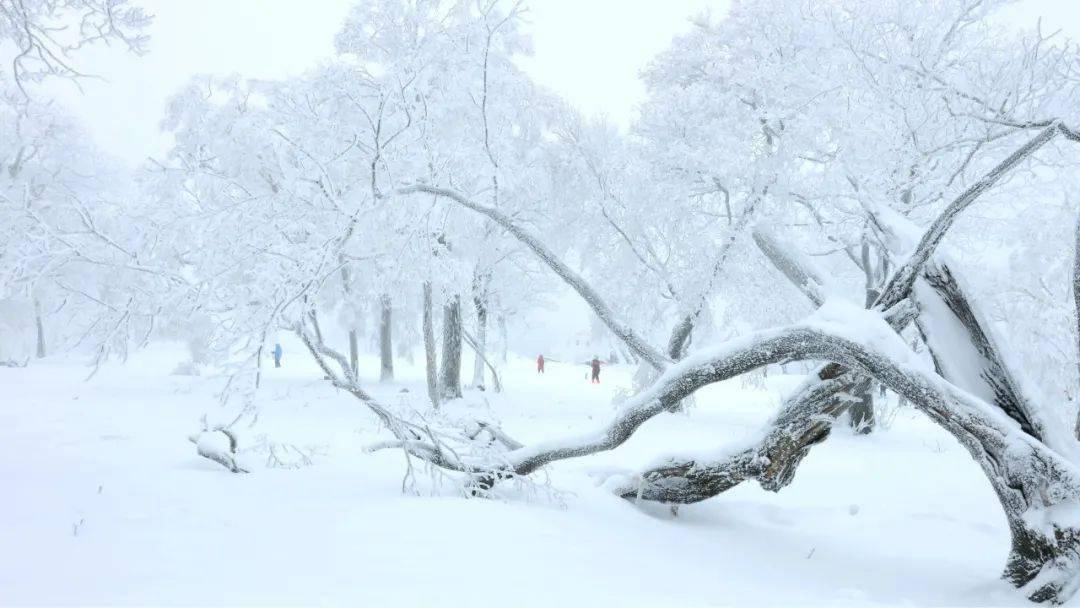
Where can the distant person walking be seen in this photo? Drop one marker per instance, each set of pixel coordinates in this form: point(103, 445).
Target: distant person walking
point(540, 364)
point(595, 370)
point(277, 355)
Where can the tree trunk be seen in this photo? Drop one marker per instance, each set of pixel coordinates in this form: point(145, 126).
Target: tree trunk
point(354, 354)
point(862, 407)
point(354, 350)
point(861, 411)
point(386, 349)
point(314, 316)
point(504, 338)
point(450, 378)
point(40, 324)
point(1076, 312)
point(481, 342)
point(429, 348)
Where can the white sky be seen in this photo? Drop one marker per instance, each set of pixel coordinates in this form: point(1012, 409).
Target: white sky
point(589, 51)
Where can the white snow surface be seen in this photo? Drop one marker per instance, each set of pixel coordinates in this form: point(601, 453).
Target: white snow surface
point(107, 502)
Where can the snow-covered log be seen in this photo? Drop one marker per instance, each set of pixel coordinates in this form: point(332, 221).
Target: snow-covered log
point(219, 445)
point(963, 353)
point(1038, 489)
point(804, 421)
point(962, 349)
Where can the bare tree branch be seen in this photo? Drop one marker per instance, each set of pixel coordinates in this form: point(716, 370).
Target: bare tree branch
point(802, 275)
point(633, 341)
point(899, 285)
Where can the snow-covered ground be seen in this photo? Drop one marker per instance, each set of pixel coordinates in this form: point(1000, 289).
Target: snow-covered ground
point(105, 501)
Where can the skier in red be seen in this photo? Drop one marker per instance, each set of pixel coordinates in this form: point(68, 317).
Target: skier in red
point(595, 370)
point(540, 364)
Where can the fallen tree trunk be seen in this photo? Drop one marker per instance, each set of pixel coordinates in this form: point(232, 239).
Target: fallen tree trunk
point(963, 349)
point(1037, 488)
point(806, 417)
point(805, 421)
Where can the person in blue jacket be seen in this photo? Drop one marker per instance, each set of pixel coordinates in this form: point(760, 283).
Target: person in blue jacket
point(277, 355)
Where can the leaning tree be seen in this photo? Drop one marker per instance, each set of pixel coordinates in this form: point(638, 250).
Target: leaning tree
point(972, 392)
point(871, 121)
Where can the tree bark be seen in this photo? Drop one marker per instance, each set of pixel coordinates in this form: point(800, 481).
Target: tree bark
point(386, 343)
point(450, 372)
point(429, 348)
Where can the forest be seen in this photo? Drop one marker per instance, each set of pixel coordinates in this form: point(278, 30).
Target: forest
point(328, 347)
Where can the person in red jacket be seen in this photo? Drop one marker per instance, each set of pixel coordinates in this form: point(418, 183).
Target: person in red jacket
point(595, 370)
point(540, 364)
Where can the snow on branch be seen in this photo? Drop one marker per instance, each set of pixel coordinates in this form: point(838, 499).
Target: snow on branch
point(1070, 134)
point(47, 33)
point(802, 274)
point(958, 337)
point(963, 350)
point(220, 445)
